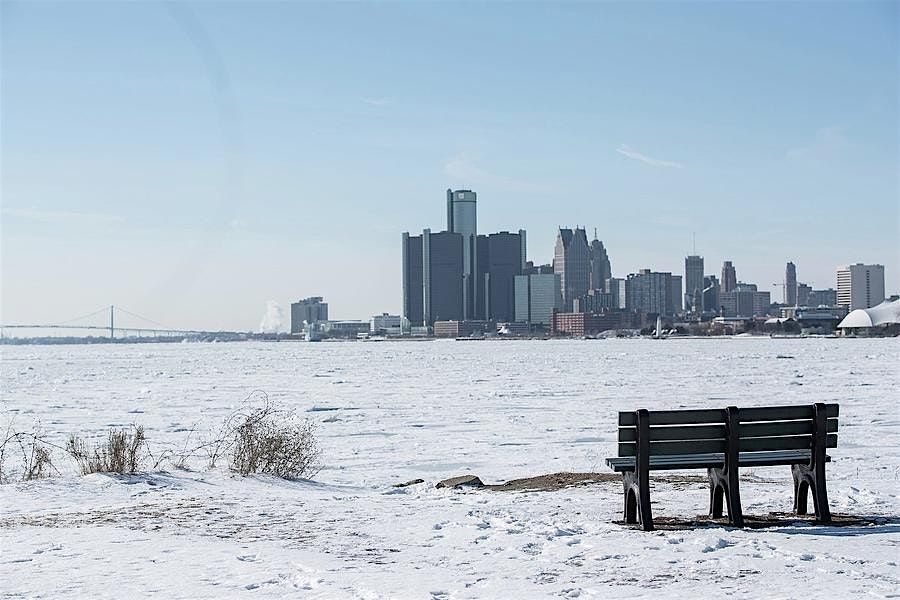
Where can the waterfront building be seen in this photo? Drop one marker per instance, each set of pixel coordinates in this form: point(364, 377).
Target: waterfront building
point(615, 286)
point(652, 292)
point(462, 218)
point(790, 284)
point(467, 328)
point(385, 323)
point(745, 301)
point(693, 283)
point(711, 290)
point(433, 270)
point(308, 311)
point(822, 298)
point(729, 277)
point(593, 302)
point(803, 292)
point(572, 262)
point(601, 270)
point(537, 297)
point(860, 286)
point(501, 257)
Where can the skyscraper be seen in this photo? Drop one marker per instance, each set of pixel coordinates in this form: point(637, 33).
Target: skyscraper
point(790, 284)
point(537, 296)
point(652, 292)
point(729, 277)
point(462, 219)
point(600, 267)
point(693, 282)
point(711, 294)
point(432, 277)
point(501, 257)
point(310, 310)
point(860, 286)
point(572, 262)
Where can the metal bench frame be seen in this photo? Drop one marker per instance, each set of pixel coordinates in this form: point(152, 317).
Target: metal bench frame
point(781, 435)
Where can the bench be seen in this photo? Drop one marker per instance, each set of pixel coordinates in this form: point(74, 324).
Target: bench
point(722, 441)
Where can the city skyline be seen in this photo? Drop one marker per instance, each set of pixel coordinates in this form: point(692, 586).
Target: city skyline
point(192, 162)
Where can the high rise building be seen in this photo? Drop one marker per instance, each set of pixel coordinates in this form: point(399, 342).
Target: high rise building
point(413, 288)
point(600, 267)
point(572, 262)
point(803, 292)
point(790, 284)
point(711, 294)
point(745, 300)
point(462, 218)
point(693, 283)
point(822, 298)
point(615, 286)
point(501, 257)
point(860, 286)
point(308, 311)
point(652, 292)
point(433, 277)
point(538, 296)
point(729, 277)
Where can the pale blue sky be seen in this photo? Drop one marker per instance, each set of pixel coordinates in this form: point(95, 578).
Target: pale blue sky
point(191, 161)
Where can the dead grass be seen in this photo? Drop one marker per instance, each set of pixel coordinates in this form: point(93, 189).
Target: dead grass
point(122, 452)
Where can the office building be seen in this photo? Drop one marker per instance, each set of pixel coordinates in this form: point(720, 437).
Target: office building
point(803, 292)
point(729, 277)
point(711, 291)
point(433, 276)
point(600, 267)
point(745, 301)
point(693, 283)
point(822, 298)
point(615, 287)
point(860, 286)
point(572, 262)
point(790, 284)
point(594, 301)
point(500, 258)
point(462, 218)
point(652, 292)
point(537, 297)
point(385, 323)
point(308, 311)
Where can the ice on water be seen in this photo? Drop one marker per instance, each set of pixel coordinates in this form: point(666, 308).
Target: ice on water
point(390, 412)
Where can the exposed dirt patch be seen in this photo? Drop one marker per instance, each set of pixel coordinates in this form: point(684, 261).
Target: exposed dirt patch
point(554, 481)
point(559, 481)
point(773, 519)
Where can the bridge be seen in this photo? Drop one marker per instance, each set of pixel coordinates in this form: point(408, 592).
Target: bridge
point(83, 324)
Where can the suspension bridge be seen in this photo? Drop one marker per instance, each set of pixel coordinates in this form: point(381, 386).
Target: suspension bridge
point(113, 317)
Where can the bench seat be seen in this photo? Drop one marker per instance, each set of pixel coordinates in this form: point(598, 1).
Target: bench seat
point(713, 460)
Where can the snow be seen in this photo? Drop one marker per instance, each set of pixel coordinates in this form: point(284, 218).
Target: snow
point(393, 411)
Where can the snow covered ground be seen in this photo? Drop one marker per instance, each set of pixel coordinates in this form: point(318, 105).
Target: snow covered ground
point(390, 412)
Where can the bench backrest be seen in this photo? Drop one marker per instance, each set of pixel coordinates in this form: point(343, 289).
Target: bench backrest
point(704, 431)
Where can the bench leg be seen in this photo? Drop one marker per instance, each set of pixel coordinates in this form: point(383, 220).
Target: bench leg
point(806, 478)
point(724, 483)
point(637, 500)
point(801, 488)
point(630, 501)
point(716, 497)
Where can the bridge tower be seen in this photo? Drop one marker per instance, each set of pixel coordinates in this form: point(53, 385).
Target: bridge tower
point(112, 322)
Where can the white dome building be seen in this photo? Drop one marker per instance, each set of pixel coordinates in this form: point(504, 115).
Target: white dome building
point(885, 314)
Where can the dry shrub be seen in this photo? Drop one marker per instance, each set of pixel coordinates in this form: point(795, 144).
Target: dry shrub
point(267, 439)
point(36, 459)
point(122, 452)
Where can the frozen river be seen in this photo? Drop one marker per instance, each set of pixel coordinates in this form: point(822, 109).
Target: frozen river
point(393, 411)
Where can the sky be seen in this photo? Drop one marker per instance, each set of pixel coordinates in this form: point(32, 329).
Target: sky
point(191, 162)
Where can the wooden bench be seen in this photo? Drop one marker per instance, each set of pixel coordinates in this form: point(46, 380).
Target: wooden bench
point(722, 441)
